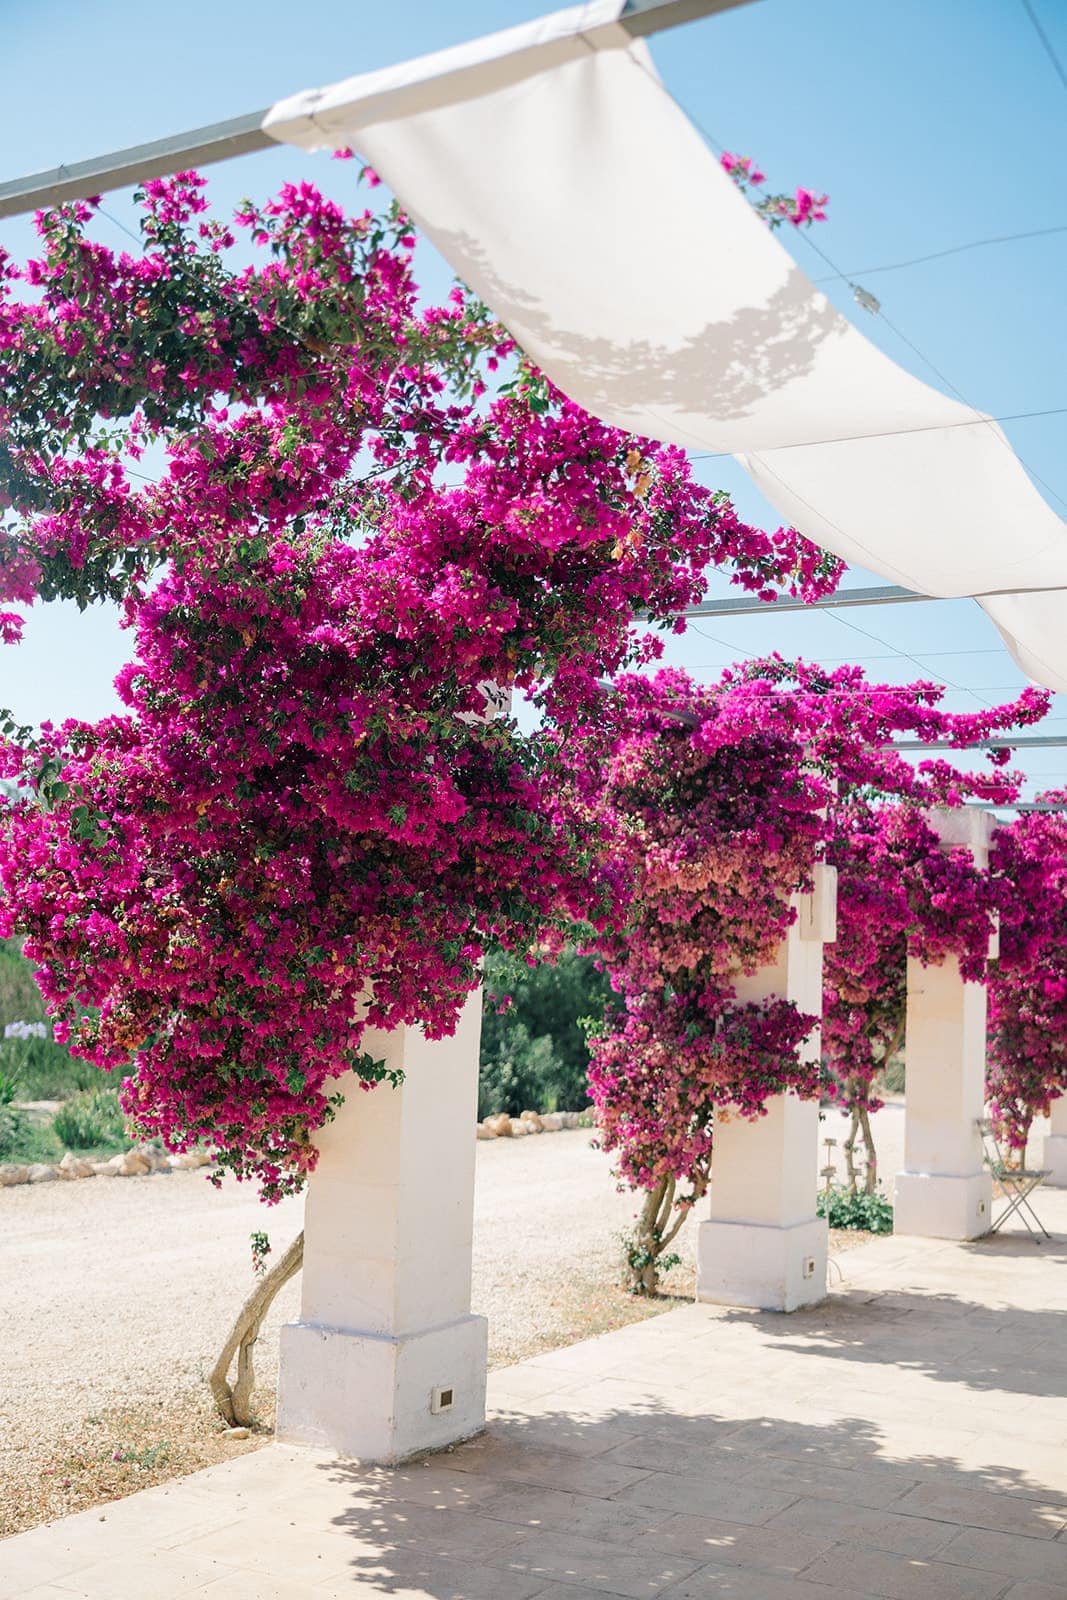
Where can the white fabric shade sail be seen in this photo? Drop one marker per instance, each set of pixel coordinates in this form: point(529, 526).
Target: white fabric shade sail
point(558, 177)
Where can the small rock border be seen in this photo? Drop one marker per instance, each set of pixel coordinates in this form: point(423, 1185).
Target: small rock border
point(142, 1160)
point(137, 1162)
point(501, 1126)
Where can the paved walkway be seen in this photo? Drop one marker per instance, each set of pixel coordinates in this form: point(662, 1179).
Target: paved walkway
point(908, 1439)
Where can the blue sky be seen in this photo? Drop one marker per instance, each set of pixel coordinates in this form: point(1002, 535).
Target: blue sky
point(930, 123)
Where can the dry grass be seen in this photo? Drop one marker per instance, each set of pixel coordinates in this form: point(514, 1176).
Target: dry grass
point(106, 1456)
point(842, 1239)
point(581, 1308)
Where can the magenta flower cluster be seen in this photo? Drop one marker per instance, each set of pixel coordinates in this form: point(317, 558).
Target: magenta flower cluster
point(330, 540)
point(719, 802)
point(801, 208)
point(341, 524)
point(901, 894)
point(1027, 1065)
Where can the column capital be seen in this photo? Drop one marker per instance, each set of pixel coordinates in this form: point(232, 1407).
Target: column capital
point(966, 825)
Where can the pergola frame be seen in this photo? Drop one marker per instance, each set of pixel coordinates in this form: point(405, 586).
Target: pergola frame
point(244, 135)
point(405, 1354)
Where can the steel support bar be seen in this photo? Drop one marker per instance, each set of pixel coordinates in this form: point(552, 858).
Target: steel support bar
point(643, 17)
point(242, 136)
point(886, 594)
point(1016, 805)
point(1036, 741)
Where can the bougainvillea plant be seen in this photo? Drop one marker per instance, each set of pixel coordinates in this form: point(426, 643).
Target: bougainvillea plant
point(1027, 1064)
point(801, 208)
point(720, 801)
point(329, 539)
point(901, 893)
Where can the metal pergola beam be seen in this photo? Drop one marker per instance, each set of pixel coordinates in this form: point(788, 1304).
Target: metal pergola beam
point(1017, 805)
point(883, 594)
point(641, 18)
point(242, 136)
point(219, 141)
point(1037, 741)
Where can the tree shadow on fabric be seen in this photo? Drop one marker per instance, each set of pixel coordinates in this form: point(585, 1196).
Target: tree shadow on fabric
point(720, 374)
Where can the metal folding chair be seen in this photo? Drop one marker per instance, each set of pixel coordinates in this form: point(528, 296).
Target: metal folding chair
point(1018, 1183)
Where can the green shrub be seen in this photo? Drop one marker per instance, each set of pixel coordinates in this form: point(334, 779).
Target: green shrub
point(25, 1140)
point(516, 1072)
point(870, 1212)
point(19, 994)
point(892, 1076)
point(534, 1053)
point(14, 1128)
point(44, 1069)
point(90, 1118)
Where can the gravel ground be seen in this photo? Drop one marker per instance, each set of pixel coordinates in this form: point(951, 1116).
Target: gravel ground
point(115, 1296)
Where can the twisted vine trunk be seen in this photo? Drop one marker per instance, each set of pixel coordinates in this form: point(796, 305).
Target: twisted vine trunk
point(871, 1180)
point(849, 1150)
point(860, 1130)
point(235, 1402)
point(1018, 1128)
point(651, 1235)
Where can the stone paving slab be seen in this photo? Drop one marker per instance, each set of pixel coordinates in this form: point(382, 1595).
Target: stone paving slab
point(905, 1440)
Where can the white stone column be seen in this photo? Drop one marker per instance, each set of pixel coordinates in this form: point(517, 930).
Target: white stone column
point(762, 1244)
point(386, 1358)
point(1055, 1151)
point(944, 1191)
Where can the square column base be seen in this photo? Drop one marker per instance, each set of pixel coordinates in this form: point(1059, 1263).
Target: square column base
point(1054, 1157)
point(938, 1206)
point(372, 1396)
point(756, 1264)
